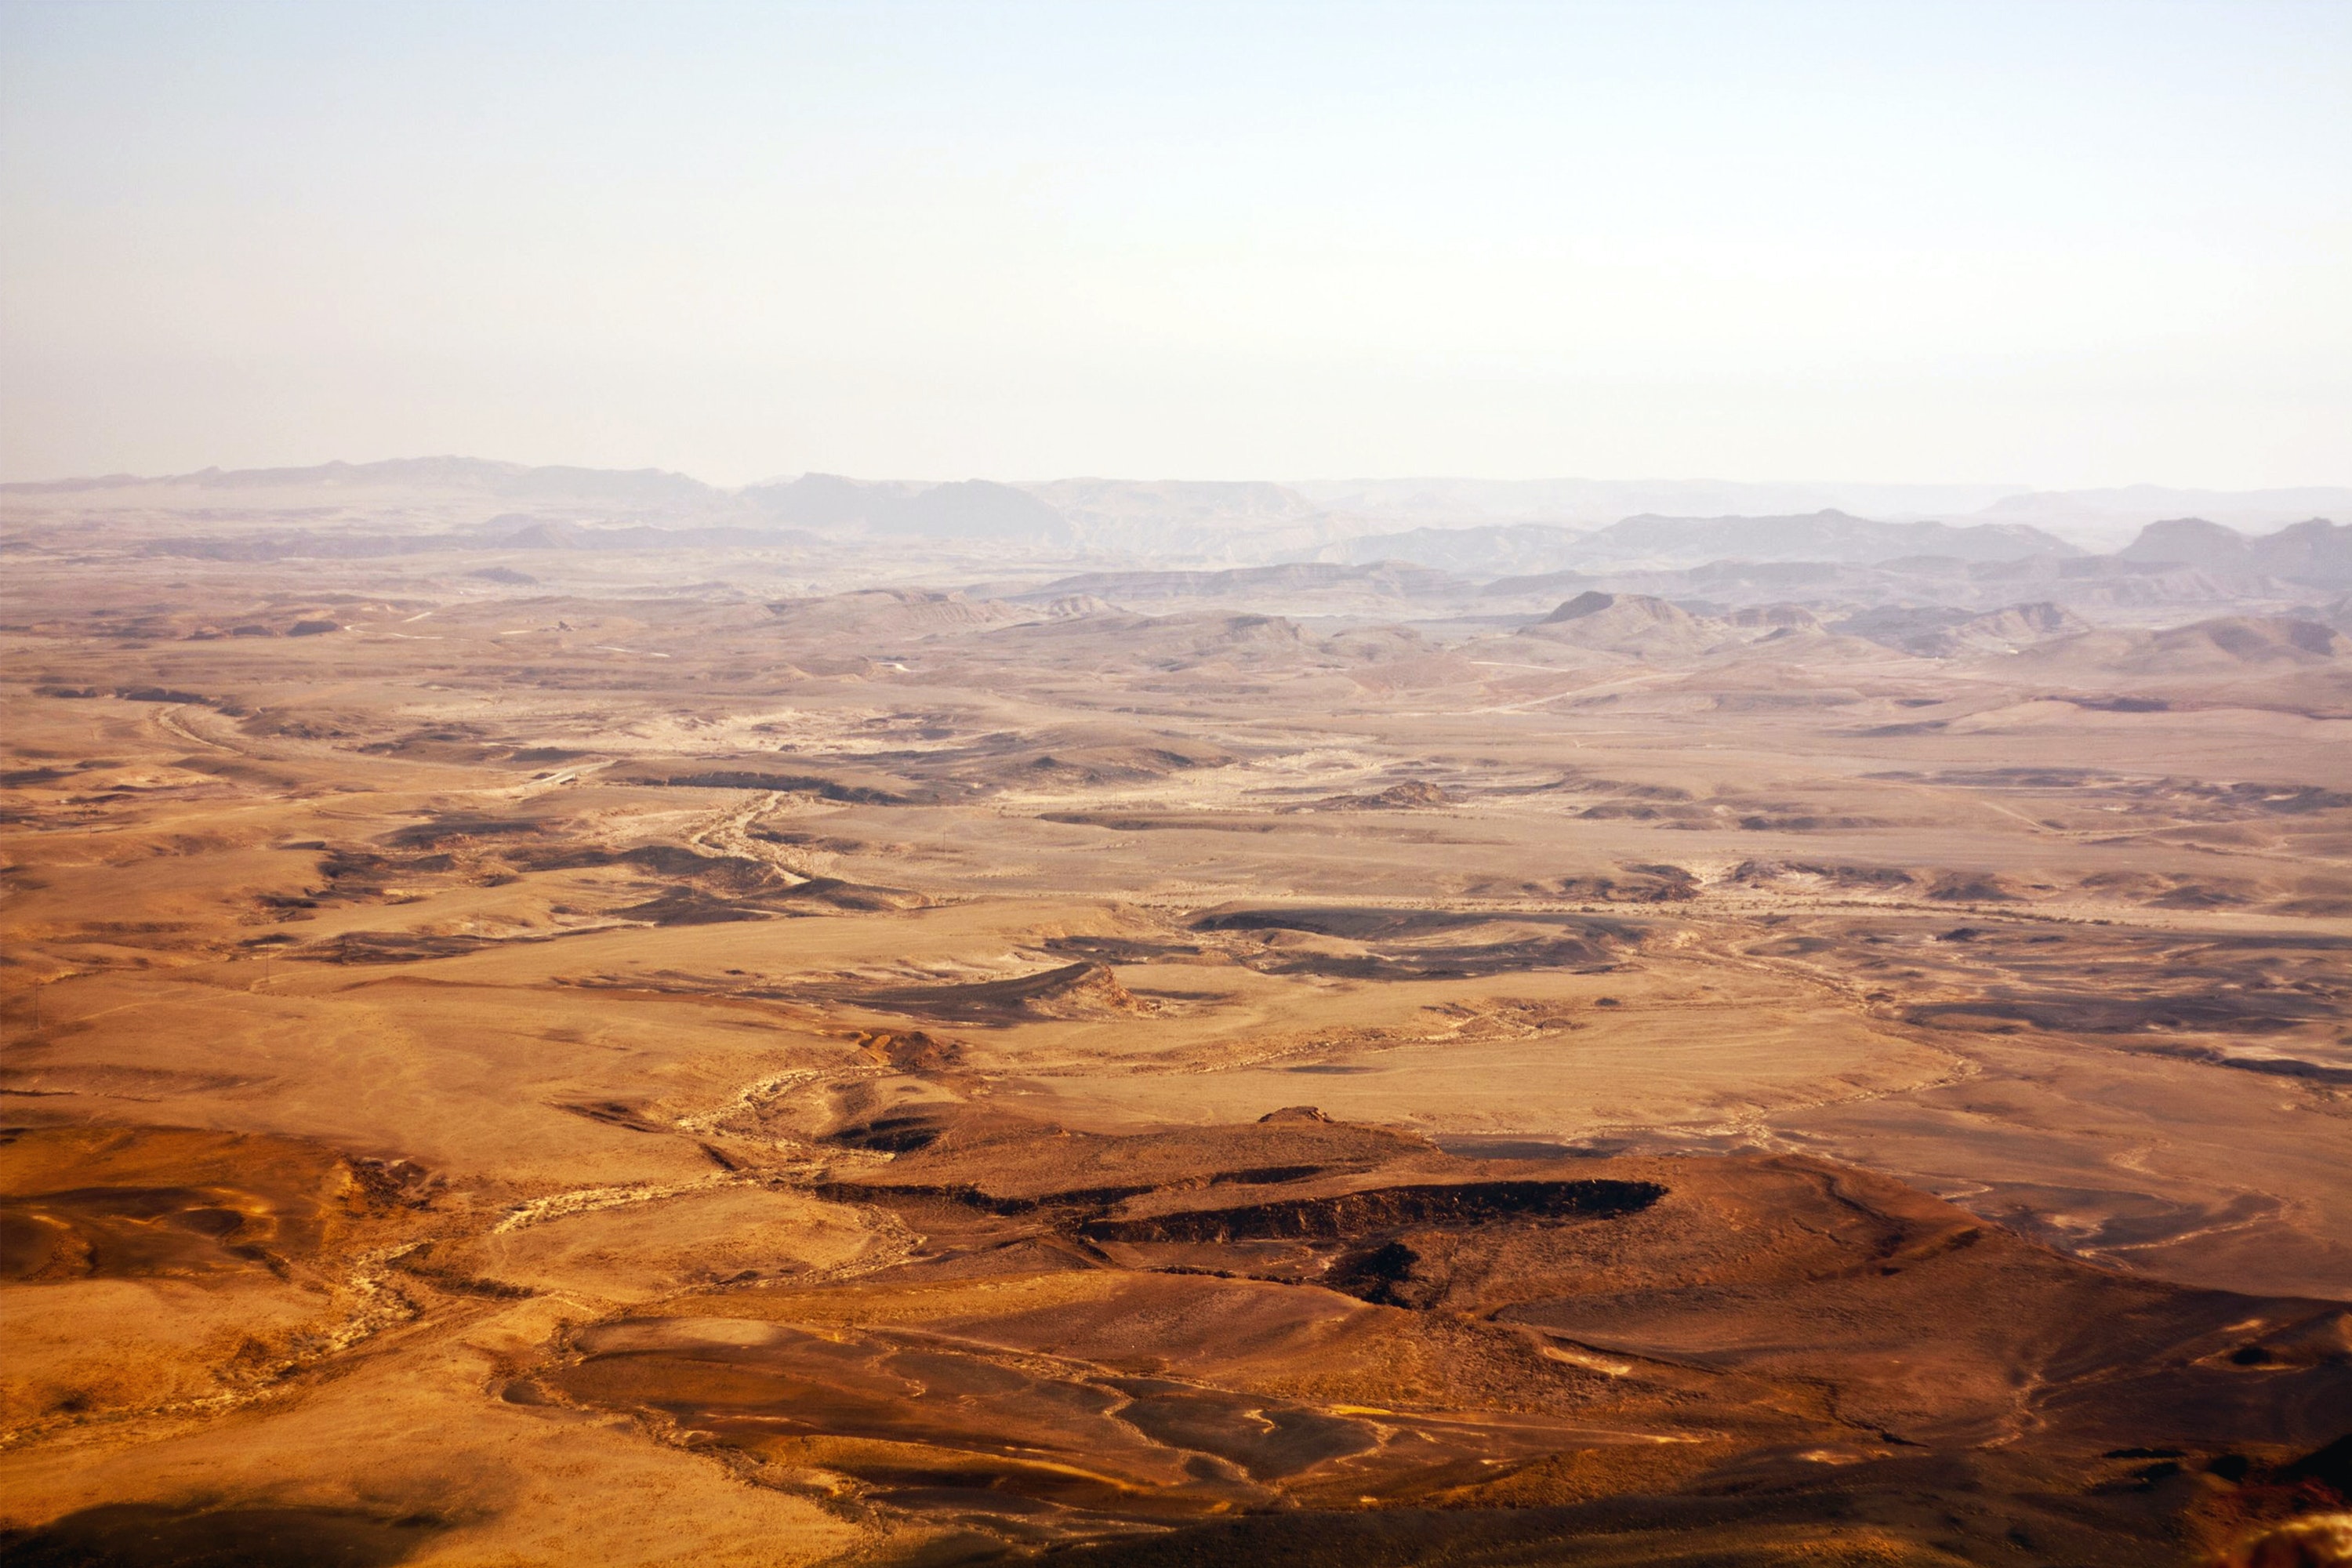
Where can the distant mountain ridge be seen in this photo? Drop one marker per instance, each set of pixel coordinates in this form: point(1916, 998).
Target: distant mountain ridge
point(515, 481)
point(2092, 519)
point(1652, 542)
point(1467, 527)
point(2315, 552)
point(2107, 517)
point(1829, 535)
point(967, 509)
point(1441, 501)
point(1498, 548)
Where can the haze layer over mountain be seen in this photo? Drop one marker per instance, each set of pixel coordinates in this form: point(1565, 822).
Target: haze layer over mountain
point(1351, 519)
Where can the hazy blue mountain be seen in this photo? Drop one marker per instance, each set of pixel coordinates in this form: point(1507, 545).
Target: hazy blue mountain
point(968, 509)
point(631, 487)
point(2315, 551)
point(1654, 543)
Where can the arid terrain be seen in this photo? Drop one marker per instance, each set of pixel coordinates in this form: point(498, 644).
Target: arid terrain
point(562, 1020)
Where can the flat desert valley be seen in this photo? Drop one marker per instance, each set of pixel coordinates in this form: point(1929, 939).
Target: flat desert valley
point(554, 1030)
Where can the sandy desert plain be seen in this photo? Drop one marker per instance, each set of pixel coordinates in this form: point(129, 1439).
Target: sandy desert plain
point(766, 1048)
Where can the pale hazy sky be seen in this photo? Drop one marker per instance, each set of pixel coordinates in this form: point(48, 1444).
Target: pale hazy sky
point(2052, 243)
